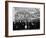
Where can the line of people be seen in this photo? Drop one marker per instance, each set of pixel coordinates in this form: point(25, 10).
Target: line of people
point(20, 25)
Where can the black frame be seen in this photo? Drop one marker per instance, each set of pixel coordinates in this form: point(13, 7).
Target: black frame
point(6, 18)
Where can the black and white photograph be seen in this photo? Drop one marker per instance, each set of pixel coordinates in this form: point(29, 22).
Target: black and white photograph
point(24, 18)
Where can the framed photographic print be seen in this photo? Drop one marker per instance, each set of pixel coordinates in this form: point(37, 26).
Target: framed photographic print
point(24, 18)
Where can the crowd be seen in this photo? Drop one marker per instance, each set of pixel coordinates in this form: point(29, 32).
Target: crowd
point(22, 25)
